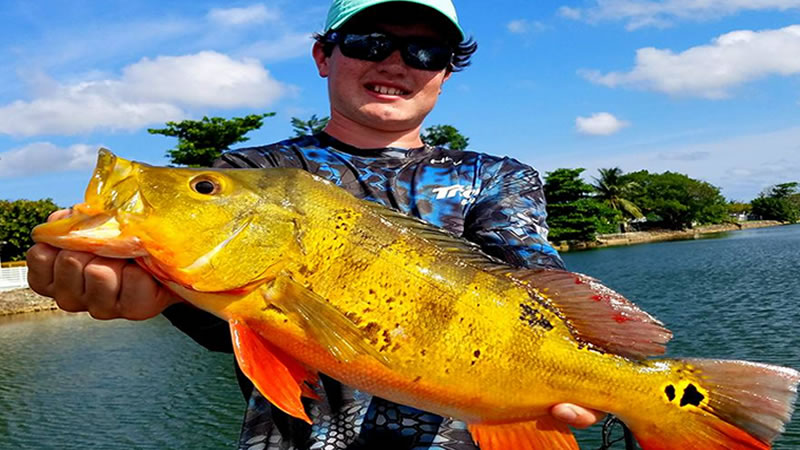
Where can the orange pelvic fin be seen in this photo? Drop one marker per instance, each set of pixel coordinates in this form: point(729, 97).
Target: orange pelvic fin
point(280, 378)
point(733, 405)
point(598, 314)
point(543, 433)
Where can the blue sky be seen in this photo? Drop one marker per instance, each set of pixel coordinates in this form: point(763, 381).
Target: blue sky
point(709, 88)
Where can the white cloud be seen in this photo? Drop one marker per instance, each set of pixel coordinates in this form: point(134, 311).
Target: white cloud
point(711, 70)
point(148, 92)
point(517, 26)
point(249, 15)
point(570, 13)
point(600, 124)
point(206, 79)
point(663, 13)
point(523, 26)
point(40, 157)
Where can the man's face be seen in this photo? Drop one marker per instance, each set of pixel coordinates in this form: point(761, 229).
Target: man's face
point(387, 95)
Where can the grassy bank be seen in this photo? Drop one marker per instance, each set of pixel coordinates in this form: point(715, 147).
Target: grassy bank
point(643, 237)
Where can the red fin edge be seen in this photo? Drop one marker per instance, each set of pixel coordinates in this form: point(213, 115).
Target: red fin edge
point(542, 433)
point(280, 378)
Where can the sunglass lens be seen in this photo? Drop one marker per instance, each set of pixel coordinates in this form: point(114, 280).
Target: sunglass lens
point(427, 56)
point(370, 47)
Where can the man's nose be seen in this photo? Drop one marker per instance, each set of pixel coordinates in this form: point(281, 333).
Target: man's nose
point(393, 63)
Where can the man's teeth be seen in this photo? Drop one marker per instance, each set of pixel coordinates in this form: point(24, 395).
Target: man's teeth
point(387, 90)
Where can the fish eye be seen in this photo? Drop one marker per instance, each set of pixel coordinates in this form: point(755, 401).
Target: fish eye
point(205, 185)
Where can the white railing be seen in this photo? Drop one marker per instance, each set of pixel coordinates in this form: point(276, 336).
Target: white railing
point(13, 278)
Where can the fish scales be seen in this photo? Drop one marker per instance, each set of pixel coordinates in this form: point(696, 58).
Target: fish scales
point(313, 280)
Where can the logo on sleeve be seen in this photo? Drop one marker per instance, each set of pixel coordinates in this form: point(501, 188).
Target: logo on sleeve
point(467, 194)
point(446, 159)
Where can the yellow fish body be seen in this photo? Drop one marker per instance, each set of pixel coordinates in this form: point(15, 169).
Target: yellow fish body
point(314, 280)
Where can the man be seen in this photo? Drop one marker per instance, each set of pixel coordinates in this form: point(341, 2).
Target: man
point(385, 63)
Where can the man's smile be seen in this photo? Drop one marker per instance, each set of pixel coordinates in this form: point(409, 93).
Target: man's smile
point(385, 89)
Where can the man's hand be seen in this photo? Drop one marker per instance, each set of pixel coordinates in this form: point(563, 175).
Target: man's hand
point(575, 415)
point(106, 288)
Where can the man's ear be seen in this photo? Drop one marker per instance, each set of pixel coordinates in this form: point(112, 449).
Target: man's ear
point(320, 59)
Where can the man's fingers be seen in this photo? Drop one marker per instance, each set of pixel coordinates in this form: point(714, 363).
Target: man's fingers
point(68, 286)
point(139, 295)
point(103, 277)
point(575, 415)
point(41, 258)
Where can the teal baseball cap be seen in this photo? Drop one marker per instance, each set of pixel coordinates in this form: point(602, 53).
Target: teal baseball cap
point(343, 10)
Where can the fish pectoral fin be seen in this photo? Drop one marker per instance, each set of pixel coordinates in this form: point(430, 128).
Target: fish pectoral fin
point(544, 432)
point(280, 378)
point(321, 320)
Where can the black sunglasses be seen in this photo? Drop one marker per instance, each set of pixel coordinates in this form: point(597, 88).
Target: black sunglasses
point(417, 52)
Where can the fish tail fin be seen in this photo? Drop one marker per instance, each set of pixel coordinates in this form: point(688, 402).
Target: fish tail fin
point(720, 405)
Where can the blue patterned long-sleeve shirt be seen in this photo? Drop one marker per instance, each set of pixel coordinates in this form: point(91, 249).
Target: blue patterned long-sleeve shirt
point(497, 203)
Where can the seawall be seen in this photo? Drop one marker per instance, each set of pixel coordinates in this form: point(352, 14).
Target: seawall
point(643, 237)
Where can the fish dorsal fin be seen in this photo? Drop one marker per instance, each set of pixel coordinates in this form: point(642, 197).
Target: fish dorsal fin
point(542, 433)
point(280, 378)
point(597, 314)
point(452, 244)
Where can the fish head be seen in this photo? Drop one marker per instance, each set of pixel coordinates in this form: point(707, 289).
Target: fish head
point(208, 230)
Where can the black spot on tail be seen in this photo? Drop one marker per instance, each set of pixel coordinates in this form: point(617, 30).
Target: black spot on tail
point(670, 391)
point(691, 396)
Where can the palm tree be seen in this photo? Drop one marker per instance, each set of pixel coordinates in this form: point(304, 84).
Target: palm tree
point(308, 127)
point(613, 190)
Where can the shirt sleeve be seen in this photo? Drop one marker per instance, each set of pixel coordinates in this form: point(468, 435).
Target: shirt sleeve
point(205, 328)
point(508, 218)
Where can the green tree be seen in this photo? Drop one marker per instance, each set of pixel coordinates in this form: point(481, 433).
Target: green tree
point(573, 215)
point(17, 220)
point(779, 202)
point(614, 190)
point(308, 127)
point(783, 190)
point(676, 201)
point(445, 136)
point(200, 142)
point(794, 199)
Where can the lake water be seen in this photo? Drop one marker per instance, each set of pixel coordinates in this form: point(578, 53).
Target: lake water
point(67, 381)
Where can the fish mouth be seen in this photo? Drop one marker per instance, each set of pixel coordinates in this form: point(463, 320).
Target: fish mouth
point(112, 199)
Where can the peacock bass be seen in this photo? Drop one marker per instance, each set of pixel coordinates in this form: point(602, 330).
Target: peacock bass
point(314, 280)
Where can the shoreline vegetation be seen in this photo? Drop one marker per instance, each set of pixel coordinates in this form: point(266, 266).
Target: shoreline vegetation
point(24, 300)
